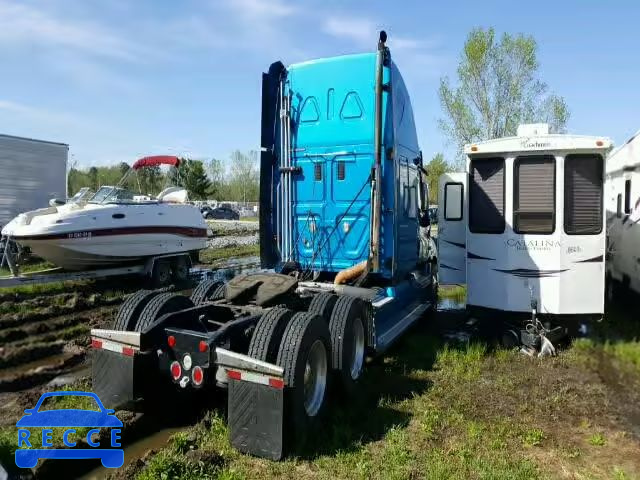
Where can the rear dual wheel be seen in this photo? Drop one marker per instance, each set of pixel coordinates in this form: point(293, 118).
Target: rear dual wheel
point(347, 326)
point(304, 354)
point(131, 309)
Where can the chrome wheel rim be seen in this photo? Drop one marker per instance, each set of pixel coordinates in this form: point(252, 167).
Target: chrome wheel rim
point(315, 378)
point(357, 350)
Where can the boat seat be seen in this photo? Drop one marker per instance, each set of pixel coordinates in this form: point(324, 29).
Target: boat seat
point(173, 195)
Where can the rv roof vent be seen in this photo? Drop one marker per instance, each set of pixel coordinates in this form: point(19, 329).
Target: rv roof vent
point(533, 129)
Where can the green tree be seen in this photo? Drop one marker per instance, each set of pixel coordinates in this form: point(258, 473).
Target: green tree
point(497, 90)
point(244, 177)
point(192, 176)
point(216, 171)
point(123, 167)
point(93, 178)
point(436, 168)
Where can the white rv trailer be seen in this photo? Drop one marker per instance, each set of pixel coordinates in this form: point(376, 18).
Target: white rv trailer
point(524, 225)
point(32, 172)
point(623, 215)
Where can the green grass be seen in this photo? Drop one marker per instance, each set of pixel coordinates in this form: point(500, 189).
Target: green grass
point(249, 219)
point(626, 352)
point(440, 411)
point(456, 293)
point(43, 288)
point(597, 440)
point(211, 255)
point(28, 267)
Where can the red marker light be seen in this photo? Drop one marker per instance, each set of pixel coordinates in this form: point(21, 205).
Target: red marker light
point(276, 383)
point(176, 370)
point(599, 143)
point(96, 343)
point(203, 346)
point(171, 341)
point(128, 351)
point(234, 375)
point(197, 375)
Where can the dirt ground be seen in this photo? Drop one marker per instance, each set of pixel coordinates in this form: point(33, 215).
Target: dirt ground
point(443, 403)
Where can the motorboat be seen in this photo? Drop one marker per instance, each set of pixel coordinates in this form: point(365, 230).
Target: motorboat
point(112, 226)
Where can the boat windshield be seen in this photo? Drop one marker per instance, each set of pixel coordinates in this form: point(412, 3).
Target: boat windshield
point(112, 195)
point(83, 195)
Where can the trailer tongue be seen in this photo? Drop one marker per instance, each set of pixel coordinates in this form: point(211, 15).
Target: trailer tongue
point(341, 216)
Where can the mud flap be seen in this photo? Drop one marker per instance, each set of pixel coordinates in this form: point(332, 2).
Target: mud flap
point(118, 379)
point(256, 418)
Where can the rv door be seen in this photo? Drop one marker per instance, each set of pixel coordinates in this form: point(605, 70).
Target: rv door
point(452, 229)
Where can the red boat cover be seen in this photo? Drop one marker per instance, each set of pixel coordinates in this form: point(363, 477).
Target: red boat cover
point(156, 160)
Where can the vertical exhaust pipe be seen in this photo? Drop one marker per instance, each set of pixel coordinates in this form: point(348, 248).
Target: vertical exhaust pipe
point(374, 253)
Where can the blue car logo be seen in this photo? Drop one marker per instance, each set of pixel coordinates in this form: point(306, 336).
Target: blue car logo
point(112, 457)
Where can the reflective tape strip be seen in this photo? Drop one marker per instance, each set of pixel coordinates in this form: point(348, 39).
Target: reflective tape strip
point(273, 382)
point(114, 347)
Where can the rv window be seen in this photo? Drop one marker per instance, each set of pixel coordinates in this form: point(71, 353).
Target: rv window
point(486, 195)
point(534, 186)
point(619, 206)
point(627, 196)
point(453, 195)
point(583, 182)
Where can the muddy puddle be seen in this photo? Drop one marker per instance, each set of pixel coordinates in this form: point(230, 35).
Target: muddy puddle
point(35, 366)
point(135, 451)
point(448, 304)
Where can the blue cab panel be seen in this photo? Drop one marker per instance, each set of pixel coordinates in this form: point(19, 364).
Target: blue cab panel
point(332, 121)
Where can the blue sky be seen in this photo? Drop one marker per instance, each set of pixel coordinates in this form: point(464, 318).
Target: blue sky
point(120, 79)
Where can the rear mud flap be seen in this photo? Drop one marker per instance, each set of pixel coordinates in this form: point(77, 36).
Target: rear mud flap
point(256, 419)
point(118, 379)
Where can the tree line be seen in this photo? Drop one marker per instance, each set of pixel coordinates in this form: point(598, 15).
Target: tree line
point(236, 180)
point(497, 88)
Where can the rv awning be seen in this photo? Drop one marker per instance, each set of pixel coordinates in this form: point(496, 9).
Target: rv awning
point(156, 160)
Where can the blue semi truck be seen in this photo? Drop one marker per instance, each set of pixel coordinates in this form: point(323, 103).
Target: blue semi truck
point(344, 244)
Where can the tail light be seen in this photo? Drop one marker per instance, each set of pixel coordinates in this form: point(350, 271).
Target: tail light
point(197, 375)
point(176, 370)
point(171, 341)
point(203, 346)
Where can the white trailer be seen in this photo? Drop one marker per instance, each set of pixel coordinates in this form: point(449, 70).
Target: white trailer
point(31, 173)
point(623, 215)
point(523, 227)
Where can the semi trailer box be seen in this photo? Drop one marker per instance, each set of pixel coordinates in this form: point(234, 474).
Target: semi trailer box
point(33, 172)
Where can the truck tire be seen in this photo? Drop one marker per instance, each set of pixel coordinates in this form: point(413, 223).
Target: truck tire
point(161, 273)
point(159, 306)
point(305, 352)
point(323, 305)
point(179, 269)
point(204, 291)
point(218, 293)
point(348, 340)
point(130, 310)
point(265, 341)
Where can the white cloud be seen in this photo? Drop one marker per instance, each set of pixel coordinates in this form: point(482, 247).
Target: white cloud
point(266, 9)
point(24, 25)
point(419, 55)
point(359, 30)
point(364, 32)
point(37, 114)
